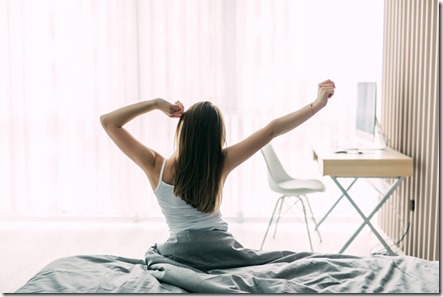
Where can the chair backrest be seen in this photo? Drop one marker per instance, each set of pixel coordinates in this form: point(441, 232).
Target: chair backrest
point(276, 172)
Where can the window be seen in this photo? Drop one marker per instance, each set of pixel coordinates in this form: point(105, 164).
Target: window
point(66, 62)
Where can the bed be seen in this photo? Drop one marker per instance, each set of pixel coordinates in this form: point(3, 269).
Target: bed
point(215, 262)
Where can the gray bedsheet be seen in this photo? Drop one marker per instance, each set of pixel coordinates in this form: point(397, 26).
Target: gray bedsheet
point(214, 262)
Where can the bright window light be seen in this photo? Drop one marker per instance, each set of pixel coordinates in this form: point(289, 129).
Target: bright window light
point(64, 63)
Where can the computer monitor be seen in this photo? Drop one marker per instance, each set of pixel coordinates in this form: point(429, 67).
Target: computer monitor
point(366, 110)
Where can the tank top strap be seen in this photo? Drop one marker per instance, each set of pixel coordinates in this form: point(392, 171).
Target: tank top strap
point(162, 169)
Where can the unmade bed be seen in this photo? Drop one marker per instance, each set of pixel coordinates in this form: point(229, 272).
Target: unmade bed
point(214, 262)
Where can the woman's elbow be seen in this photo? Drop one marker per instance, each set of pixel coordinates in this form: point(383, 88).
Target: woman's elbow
point(109, 122)
point(104, 120)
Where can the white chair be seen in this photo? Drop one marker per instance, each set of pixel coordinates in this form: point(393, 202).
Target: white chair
point(282, 183)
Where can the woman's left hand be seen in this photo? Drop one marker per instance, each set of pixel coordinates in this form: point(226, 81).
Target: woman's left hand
point(325, 91)
point(171, 110)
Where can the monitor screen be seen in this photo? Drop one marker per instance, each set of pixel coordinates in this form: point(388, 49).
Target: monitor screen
point(366, 107)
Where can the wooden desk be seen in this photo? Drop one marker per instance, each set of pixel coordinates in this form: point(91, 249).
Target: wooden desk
point(377, 163)
point(387, 163)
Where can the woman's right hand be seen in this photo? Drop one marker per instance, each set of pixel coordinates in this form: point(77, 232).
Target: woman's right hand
point(325, 91)
point(171, 110)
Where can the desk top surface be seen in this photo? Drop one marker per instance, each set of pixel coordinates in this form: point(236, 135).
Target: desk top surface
point(374, 163)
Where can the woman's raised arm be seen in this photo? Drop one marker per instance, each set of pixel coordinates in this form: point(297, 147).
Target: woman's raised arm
point(114, 121)
point(240, 152)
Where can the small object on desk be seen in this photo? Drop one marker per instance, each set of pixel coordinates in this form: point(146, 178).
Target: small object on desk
point(341, 152)
point(349, 152)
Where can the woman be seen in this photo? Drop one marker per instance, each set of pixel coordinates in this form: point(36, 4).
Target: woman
point(188, 185)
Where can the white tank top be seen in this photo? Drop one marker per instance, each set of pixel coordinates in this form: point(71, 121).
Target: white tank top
point(181, 216)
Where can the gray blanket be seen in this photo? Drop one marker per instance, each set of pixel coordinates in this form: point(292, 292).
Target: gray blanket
point(214, 262)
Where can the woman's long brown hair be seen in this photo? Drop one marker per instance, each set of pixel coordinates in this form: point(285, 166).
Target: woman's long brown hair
point(198, 169)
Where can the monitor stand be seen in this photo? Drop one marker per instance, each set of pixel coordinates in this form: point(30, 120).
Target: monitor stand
point(363, 142)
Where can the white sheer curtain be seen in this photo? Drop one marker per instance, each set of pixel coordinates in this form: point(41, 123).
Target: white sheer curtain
point(63, 63)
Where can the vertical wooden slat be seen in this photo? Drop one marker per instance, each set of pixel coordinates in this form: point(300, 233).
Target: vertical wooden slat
point(399, 102)
point(433, 127)
point(414, 83)
point(419, 152)
point(410, 116)
point(415, 151)
point(400, 109)
point(427, 150)
point(401, 203)
point(394, 79)
point(411, 71)
point(436, 134)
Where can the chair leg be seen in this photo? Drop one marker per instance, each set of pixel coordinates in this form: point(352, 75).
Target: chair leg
point(306, 223)
point(270, 221)
point(313, 218)
point(279, 215)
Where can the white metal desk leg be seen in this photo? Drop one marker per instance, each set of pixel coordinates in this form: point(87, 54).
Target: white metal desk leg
point(382, 201)
point(367, 219)
point(335, 204)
